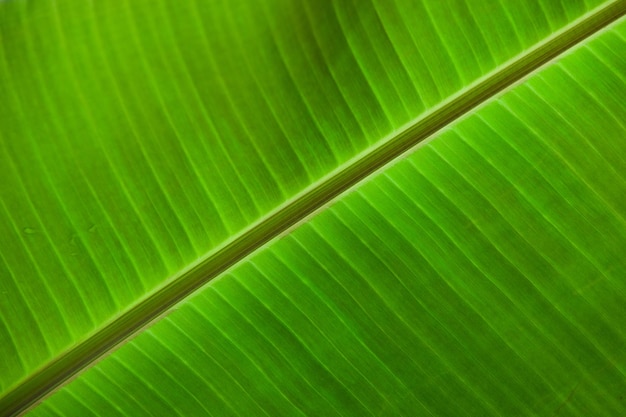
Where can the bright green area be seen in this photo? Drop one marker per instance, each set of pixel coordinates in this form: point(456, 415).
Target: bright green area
point(136, 136)
point(483, 275)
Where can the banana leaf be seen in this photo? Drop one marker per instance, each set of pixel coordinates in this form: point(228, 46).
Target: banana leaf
point(147, 147)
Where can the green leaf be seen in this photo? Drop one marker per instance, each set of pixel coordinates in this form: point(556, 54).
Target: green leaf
point(147, 147)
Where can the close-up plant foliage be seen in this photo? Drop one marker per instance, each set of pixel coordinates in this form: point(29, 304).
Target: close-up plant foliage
point(313, 208)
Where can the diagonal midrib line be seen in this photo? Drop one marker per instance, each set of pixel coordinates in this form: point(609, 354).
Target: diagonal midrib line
point(301, 206)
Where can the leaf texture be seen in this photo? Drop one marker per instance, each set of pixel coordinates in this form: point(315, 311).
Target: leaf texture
point(481, 275)
point(140, 137)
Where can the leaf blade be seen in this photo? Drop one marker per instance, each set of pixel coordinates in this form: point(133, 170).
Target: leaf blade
point(156, 242)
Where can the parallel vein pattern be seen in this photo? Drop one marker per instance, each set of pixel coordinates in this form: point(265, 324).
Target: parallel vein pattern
point(137, 136)
point(482, 275)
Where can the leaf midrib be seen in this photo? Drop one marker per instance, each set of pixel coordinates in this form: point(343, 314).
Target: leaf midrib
point(298, 208)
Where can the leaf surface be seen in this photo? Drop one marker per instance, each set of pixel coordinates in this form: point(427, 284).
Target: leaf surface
point(141, 138)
